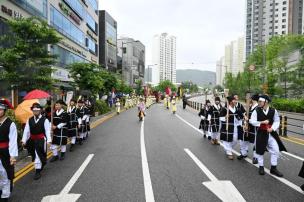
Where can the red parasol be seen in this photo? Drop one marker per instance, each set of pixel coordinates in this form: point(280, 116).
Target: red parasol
point(7, 103)
point(36, 94)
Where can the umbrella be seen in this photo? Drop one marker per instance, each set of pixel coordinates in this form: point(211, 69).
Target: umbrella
point(23, 112)
point(36, 94)
point(7, 103)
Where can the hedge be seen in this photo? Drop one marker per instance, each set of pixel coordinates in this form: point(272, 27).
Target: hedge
point(290, 105)
point(102, 107)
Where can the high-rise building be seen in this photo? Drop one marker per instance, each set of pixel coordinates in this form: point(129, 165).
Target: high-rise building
point(267, 18)
point(220, 71)
point(164, 55)
point(107, 41)
point(76, 22)
point(132, 55)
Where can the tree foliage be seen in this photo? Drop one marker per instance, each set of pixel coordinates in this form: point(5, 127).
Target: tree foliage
point(24, 56)
point(164, 84)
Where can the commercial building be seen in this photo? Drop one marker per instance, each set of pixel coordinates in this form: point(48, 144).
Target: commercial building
point(268, 18)
point(132, 55)
point(76, 22)
point(164, 55)
point(107, 41)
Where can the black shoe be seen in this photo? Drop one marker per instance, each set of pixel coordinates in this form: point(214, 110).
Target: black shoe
point(62, 156)
point(71, 147)
point(43, 164)
point(209, 137)
point(254, 161)
point(54, 158)
point(205, 136)
point(240, 157)
point(275, 171)
point(37, 175)
point(80, 141)
point(3, 199)
point(302, 187)
point(261, 170)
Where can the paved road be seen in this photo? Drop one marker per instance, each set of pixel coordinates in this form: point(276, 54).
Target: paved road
point(116, 172)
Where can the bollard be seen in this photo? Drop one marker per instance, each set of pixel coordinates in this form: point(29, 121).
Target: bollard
point(285, 126)
point(281, 126)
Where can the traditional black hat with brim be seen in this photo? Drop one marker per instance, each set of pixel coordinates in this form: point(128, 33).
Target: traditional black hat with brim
point(208, 101)
point(230, 98)
point(3, 105)
point(36, 106)
point(73, 100)
point(264, 98)
point(60, 102)
point(80, 101)
point(217, 99)
point(255, 97)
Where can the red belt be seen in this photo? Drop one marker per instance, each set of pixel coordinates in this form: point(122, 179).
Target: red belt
point(37, 136)
point(265, 126)
point(3, 145)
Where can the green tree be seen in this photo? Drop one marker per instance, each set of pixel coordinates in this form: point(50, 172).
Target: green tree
point(25, 59)
point(110, 81)
point(164, 84)
point(87, 76)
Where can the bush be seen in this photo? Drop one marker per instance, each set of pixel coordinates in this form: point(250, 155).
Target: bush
point(102, 107)
point(11, 114)
point(290, 105)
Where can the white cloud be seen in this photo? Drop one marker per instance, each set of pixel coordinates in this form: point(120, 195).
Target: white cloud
point(202, 27)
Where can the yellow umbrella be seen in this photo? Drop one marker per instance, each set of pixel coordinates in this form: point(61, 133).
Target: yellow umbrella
point(23, 112)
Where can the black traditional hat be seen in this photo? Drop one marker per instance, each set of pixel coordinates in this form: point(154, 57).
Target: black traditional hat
point(208, 101)
point(36, 106)
point(60, 102)
point(3, 105)
point(217, 99)
point(265, 98)
point(230, 98)
point(255, 97)
point(80, 101)
point(73, 100)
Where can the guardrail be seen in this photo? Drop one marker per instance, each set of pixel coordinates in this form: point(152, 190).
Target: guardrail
point(288, 124)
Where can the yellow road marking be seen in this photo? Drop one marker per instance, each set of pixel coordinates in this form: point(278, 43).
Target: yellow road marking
point(288, 139)
point(28, 168)
point(295, 138)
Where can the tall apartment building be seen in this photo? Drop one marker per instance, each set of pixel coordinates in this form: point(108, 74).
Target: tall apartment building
point(76, 22)
point(267, 18)
point(164, 55)
point(220, 71)
point(132, 55)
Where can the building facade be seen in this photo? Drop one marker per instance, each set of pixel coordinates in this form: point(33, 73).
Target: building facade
point(107, 41)
point(268, 18)
point(132, 55)
point(164, 55)
point(76, 22)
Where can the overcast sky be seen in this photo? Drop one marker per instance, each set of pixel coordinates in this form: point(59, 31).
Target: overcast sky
point(202, 27)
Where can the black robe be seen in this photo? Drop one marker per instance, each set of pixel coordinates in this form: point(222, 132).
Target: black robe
point(4, 152)
point(228, 135)
point(262, 135)
point(73, 122)
point(60, 136)
point(81, 112)
point(215, 118)
point(204, 124)
point(37, 144)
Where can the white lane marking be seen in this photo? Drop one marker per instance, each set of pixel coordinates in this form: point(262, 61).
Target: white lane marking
point(223, 189)
point(75, 177)
point(293, 155)
point(64, 194)
point(146, 173)
point(283, 180)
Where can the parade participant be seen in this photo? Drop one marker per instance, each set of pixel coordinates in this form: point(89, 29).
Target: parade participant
point(204, 124)
point(214, 120)
point(231, 126)
point(184, 101)
point(267, 120)
point(249, 135)
point(82, 114)
point(117, 104)
point(60, 131)
point(141, 108)
point(73, 123)
point(239, 105)
point(36, 135)
point(8, 151)
point(90, 110)
point(173, 103)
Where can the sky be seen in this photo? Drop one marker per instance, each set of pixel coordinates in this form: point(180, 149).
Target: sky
point(202, 27)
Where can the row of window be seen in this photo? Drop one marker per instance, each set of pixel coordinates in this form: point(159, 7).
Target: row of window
point(94, 4)
point(35, 7)
point(67, 28)
point(91, 45)
point(65, 57)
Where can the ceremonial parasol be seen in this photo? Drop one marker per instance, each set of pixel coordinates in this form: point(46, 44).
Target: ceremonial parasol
point(23, 112)
point(36, 94)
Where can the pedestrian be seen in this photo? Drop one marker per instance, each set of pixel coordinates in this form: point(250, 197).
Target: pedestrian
point(60, 131)
point(117, 104)
point(173, 104)
point(248, 137)
point(231, 125)
point(204, 124)
point(8, 151)
point(239, 105)
point(184, 101)
point(214, 120)
point(267, 120)
point(88, 119)
point(36, 136)
point(82, 115)
point(72, 123)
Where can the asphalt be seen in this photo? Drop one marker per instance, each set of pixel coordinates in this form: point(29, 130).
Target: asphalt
point(115, 172)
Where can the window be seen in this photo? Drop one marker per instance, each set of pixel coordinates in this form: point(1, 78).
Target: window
point(35, 7)
point(66, 27)
point(77, 7)
point(92, 46)
point(283, 26)
point(283, 14)
point(94, 4)
point(284, 8)
point(284, 2)
point(91, 23)
point(65, 57)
